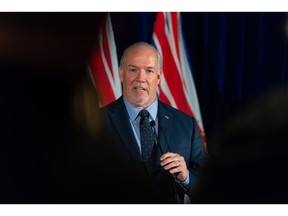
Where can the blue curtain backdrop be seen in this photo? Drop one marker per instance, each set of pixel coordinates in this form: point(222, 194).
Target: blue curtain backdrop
point(236, 57)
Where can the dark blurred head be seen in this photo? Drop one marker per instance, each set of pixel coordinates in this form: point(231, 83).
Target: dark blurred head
point(249, 155)
point(49, 120)
point(44, 60)
point(65, 40)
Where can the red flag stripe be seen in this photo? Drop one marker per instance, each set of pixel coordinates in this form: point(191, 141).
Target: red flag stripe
point(104, 66)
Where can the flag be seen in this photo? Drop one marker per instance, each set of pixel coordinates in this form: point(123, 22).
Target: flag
point(104, 65)
point(177, 86)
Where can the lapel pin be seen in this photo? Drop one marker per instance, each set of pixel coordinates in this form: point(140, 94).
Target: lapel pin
point(166, 117)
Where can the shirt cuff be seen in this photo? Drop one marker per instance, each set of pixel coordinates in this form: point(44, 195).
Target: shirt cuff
point(185, 182)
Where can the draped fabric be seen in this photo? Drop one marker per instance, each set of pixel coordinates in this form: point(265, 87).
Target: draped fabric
point(177, 86)
point(104, 65)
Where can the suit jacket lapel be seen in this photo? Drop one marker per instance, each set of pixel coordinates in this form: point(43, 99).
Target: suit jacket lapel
point(165, 121)
point(120, 119)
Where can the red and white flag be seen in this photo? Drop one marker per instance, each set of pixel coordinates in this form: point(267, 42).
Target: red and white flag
point(177, 86)
point(104, 66)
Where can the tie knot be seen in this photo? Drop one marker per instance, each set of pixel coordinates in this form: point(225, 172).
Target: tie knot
point(144, 113)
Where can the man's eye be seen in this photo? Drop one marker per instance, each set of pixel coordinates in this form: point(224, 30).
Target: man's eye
point(150, 71)
point(132, 70)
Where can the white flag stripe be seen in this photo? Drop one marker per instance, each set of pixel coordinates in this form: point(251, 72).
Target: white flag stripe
point(104, 65)
point(169, 31)
point(190, 89)
point(166, 91)
point(114, 83)
point(107, 69)
point(114, 61)
point(188, 81)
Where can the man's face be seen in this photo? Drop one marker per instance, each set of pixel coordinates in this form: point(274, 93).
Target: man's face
point(140, 76)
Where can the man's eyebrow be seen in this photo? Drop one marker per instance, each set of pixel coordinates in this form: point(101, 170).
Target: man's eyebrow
point(149, 67)
point(132, 66)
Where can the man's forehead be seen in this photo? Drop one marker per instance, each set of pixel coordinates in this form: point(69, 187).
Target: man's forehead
point(141, 50)
point(136, 66)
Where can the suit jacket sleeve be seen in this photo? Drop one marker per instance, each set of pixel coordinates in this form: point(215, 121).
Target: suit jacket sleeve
point(197, 160)
point(179, 134)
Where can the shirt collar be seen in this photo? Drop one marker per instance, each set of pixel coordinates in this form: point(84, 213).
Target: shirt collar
point(134, 111)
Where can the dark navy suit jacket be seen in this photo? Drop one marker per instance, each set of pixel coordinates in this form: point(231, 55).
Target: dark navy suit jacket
point(177, 132)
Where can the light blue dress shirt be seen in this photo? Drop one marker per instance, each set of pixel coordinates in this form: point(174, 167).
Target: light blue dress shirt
point(135, 119)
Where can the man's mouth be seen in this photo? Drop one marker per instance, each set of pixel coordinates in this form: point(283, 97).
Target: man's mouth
point(139, 89)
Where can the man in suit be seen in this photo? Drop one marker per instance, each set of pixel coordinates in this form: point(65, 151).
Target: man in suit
point(179, 151)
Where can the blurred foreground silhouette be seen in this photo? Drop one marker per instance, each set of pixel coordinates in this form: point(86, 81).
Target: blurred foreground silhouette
point(49, 124)
point(248, 158)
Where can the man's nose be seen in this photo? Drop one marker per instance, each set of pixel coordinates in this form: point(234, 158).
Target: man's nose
point(141, 76)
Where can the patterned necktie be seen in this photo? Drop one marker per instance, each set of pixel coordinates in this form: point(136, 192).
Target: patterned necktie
point(147, 141)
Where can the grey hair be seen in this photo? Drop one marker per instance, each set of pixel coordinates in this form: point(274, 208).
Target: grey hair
point(140, 44)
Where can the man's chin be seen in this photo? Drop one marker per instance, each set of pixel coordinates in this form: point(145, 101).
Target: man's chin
point(141, 102)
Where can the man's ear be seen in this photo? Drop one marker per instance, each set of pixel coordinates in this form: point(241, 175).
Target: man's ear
point(120, 74)
point(159, 74)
